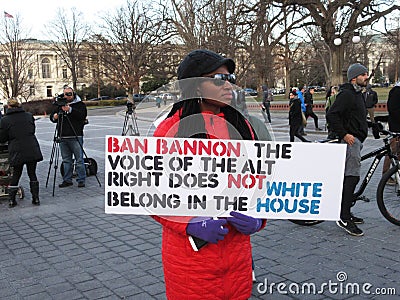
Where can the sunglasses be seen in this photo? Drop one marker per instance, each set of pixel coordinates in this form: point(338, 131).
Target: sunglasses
point(221, 78)
point(68, 94)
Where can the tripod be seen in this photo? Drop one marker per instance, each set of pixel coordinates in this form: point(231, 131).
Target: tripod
point(130, 125)
point(55, 150)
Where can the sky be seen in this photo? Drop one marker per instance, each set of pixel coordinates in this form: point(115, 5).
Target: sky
point(35, 14)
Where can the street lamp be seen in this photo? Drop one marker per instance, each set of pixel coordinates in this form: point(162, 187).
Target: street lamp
point(356, 38)
point(337, 41)
point(338, 73)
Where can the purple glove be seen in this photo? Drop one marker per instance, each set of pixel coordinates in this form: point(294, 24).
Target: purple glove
point(244, 224)
point(208, 229)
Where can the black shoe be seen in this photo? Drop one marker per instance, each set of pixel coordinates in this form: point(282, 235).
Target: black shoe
point(65, 184)
point(350, 227)
point(81, 184)
point(318, 129)
point(36, 201)
point(357, 220)
point(12, 203)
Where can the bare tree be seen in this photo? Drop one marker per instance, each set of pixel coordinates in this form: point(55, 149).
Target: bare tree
point(16, 59)
point(393, 37)
point(69, 33)
point(220, 26)
point(269, 23)
point(132, 42)
point(250, 32)
point(342, 17)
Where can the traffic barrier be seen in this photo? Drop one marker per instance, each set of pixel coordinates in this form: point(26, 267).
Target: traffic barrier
point(317, 107)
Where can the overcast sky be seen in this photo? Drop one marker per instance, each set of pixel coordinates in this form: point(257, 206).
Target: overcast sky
point(34, 14)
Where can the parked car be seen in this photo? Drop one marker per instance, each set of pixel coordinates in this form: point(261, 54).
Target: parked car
point(138, 97)
point(318, 88)
point(121, 98)
point(277, 91)
point(249, 91)
point(168, 95)
point(100, 98)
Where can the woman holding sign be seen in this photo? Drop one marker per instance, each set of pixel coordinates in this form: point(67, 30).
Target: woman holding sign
point(221, 269)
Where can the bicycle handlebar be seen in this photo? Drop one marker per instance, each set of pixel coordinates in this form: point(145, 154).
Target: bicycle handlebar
point(389, 133)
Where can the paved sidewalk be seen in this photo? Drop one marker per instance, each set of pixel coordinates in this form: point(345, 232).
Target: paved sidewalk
point(68, 248)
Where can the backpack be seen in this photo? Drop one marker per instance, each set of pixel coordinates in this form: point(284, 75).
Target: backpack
point(90, 166)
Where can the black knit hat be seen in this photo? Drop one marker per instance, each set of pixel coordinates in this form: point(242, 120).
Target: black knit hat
point(202, 61)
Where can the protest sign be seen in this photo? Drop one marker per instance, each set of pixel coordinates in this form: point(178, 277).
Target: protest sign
point(210, 177)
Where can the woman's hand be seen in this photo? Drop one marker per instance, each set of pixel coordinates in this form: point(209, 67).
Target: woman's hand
point(244, 224)
point(207, 229)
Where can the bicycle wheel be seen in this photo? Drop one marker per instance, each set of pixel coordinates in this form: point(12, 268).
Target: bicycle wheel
point(388, 195)
point(306, 222)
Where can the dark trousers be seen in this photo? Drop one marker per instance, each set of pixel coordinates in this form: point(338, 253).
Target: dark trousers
point(310, 113)
point(267, 112)
point(294, 131)
point(17, 172)
point(349, 186)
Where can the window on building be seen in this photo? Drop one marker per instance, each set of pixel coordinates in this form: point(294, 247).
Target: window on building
point(81, 72)
point(64, 73)
point(31, 90)
point(49, 90)
point(46, 68)
point(82, 66)
point(30, 73)
point(6, 69)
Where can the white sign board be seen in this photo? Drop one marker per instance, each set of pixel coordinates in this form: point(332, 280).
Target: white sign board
point(210, 177)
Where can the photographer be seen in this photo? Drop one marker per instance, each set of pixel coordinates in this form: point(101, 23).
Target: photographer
point(70, 118)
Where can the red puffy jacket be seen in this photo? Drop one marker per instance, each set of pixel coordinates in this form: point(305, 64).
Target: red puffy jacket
point(216, 271)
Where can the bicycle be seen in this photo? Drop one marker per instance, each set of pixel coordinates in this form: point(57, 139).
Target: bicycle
point(388, 194)
point(378, 154)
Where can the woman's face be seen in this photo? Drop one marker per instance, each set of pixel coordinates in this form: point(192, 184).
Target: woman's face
point(214, 95)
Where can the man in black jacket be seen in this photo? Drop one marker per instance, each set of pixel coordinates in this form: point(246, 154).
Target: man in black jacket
point(70, 119)
point(347, 117)
point(393, 108)
point(309, 102)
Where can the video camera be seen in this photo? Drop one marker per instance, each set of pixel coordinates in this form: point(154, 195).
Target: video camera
point(130, 107)
point(60, 100)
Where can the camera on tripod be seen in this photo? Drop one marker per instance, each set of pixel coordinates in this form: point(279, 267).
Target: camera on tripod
point(130, 107)
point(60, 100)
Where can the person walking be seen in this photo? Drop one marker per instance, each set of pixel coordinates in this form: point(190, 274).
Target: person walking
point(300, 95)
point(295, 117)
point(17, 128)
point(347, 118)
point(309, 103)
point(329, 99)
point(222, 269)
point(70, 119)
point(266, 103)
point(393, 108)
point(239, 103)
point(158, 101)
